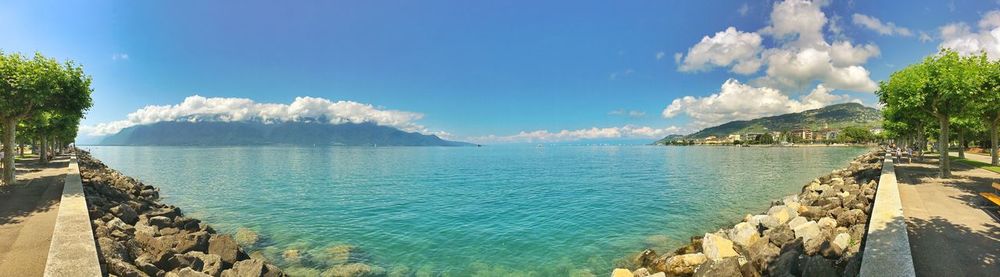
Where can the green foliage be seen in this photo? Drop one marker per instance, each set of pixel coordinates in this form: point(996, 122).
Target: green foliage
point(47, 99)
point(764, 139)
point(856, 135)
point(946, 89)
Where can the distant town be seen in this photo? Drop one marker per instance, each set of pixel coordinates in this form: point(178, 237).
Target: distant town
point(802, 135)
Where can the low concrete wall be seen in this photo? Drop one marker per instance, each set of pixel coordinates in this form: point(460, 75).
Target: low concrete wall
point(73, 252)
point(887, 246)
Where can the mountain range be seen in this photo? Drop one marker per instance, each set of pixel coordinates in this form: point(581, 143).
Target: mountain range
point(216, 133)
point(834, 116)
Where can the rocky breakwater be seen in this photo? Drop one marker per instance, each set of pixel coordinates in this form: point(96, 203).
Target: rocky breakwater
point(138, 236)
point(817, 232)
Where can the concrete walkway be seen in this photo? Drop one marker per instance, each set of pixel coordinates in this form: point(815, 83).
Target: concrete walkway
point(950, 235)
point(974, 157)
point(28, 211)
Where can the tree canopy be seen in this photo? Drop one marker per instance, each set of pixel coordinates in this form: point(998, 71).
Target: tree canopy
point(44, 96)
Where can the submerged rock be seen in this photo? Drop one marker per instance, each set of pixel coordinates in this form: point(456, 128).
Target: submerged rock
point(246, 237)
point(364, 270)
point(645, 258)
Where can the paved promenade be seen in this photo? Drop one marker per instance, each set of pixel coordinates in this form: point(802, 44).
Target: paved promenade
point(28, 213)
point(950, 235)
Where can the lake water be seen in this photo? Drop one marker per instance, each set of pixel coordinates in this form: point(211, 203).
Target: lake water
point(460, 211)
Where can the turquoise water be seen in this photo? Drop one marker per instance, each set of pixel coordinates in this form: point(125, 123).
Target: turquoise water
point(500, 210)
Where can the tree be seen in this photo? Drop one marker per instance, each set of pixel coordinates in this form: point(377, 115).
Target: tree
point(856, 134)
point(766, 138)
point(32, 87)
point(941, 86)
point(987, 95)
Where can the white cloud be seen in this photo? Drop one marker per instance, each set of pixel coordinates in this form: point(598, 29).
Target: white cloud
point(796, 69)
point(800, 57)
point(627, 131)
point(959, 36)
point(990, 20)
point(924, 37)
point(798, 20)
point(629, 113)
point(119, 56)
point(843, 53)
point(738, 101)
point(743, 9)
point(729, 47)
point(659, 55)
point(885, 29)
point(197, 108)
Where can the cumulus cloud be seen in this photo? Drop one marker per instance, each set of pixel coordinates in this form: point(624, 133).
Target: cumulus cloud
point(800, 57)
point(729, 47)
point(885, 29)
point(843, 53)
point(743, 9)
point(837, 67)
point(738, 101)
point(198, 108)
point(659, 55)
point(119, 56)
point(800, 21)
point(959, 36)
point(627, 131)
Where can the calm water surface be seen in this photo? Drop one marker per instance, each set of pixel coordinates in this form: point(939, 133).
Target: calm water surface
point(503, 210)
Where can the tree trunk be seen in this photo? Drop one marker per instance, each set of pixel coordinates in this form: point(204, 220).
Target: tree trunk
point(921, 141)
point(43, 151)
point(943, 160)
point(961, 142)
point(9, 125)
point(993, 142)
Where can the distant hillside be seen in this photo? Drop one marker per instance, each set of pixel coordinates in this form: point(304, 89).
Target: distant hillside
point(256, 133)
point(834, 116)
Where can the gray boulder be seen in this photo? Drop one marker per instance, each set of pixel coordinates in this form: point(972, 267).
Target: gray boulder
point(225, 247)
point(819, 267)
point(211, 263)
point(785, 265)
point(161, 222)
point(684, 264)
point(125, 213)
point(197, 241)
point(728, 267)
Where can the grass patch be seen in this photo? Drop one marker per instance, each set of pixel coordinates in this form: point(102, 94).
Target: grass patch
point(986, 166)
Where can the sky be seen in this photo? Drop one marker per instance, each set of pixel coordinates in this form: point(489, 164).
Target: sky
point(489, 71)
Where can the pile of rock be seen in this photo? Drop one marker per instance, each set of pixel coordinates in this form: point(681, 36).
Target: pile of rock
point(138, 236)
point(815, 233)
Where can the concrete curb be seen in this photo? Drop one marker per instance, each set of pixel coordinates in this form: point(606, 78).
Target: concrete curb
point(73, 252)
point(887, 246)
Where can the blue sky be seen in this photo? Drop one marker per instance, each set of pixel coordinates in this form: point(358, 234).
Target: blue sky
point(517, 71)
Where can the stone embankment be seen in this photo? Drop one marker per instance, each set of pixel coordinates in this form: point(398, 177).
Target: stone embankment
point(138, 236)
point(817, 232)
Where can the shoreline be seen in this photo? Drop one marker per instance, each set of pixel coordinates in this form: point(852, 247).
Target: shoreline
point(818, 231)
point(136, 235)
point(140, 193)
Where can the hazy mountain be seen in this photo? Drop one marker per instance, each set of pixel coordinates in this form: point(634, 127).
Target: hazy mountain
point(833, 116)
point(257, 133)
